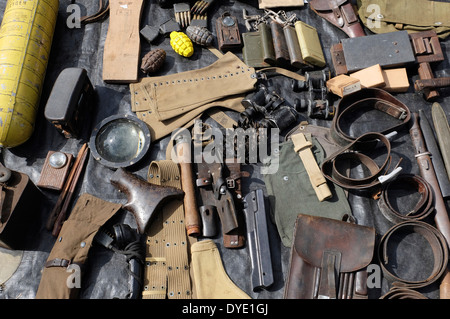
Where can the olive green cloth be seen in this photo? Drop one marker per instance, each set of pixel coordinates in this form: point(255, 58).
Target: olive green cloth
point(383, 16)
point(291, 193)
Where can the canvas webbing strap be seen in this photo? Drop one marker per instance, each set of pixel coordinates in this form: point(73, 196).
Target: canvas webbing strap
point(167, 272)
point(303, 147)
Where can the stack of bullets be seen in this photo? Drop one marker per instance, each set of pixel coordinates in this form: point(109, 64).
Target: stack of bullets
point(182, 14)
point(201, 6)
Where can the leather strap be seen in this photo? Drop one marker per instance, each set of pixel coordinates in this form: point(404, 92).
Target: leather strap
point(403, 293)
point(423, 207)
point(318, 181)
point(57, 262)
point(369, 98)
point(436, 241)
point(333, 166)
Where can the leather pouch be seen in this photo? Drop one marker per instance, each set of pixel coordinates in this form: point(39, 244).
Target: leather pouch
point(329, 259)
point(19, 198)
point(341, 14)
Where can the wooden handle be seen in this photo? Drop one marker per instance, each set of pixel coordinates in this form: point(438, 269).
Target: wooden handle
point(192, 215)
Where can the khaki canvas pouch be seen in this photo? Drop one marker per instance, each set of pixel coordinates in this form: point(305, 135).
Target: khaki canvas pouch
point(72, 246)
point(409, 15)
point(211, 279)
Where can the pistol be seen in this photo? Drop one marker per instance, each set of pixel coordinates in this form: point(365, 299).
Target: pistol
point(143, 197)
point(258, 240)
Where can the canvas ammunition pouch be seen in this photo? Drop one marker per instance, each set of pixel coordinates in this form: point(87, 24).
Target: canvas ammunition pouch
point(70, 251)
point(341, 14)
point(328, 259)
point(167, 271)
point(383, 16)
point(169, 102)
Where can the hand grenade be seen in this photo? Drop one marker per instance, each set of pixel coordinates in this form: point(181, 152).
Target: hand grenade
point(153, 60)
point(199, 35)
point(181, 44)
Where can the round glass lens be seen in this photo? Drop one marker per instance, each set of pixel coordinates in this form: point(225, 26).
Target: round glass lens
point(120, 141)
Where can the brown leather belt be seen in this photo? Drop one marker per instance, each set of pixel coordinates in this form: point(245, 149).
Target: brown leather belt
point(403, 293)
point(333, 166)
point(421, 210)
point(368, 98)
point(437, 243)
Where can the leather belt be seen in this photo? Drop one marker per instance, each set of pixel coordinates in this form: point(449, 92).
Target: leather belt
point(368, 98)
point(437, 243)
point(403, 293)
point(333, 167)
point(421, 210)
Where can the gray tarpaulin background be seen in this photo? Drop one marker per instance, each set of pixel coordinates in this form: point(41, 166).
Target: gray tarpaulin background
point(106, 276)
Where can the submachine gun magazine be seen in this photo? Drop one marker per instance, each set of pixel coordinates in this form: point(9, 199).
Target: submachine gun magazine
point(258, 240)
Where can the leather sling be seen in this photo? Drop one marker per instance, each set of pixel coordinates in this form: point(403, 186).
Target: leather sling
point(436, 241)
point(421, 210)
point(368, 99)
point(167, 271)
point(329, 259)
point(341, 14)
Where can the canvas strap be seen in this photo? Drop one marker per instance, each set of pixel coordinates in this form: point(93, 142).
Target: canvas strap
point(167, 272)
point(303, 147)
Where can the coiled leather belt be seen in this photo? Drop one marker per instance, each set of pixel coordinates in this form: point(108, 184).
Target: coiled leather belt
point(368, 98)
point(421, 210)
point(437, 243)
point(403, 293)
point(333, 166)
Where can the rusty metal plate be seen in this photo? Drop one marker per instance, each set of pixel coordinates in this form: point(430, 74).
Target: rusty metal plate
point(392, 49)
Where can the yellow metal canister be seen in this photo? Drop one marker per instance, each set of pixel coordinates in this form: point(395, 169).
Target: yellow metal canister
point(26, 35)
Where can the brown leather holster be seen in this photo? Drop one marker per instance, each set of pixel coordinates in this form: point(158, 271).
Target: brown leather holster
point(19, 197)
point(341, 14)
point(329, 259)
point(219, 187)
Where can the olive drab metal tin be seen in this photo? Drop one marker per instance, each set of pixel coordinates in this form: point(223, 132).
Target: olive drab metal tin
point(26, 35)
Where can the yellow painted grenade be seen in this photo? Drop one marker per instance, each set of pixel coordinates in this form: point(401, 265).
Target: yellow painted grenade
point(26, 35)
point(181, 44)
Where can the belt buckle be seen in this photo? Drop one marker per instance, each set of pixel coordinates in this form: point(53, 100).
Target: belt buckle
point(231, 183)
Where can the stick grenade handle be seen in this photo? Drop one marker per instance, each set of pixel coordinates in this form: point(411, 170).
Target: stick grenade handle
point(192, 215)
point(427, 172)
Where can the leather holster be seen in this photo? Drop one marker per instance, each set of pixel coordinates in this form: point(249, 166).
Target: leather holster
point(19, 197)
point(329, 259)
point(341, 14)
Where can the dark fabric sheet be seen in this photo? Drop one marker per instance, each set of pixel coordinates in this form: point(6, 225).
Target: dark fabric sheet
point(106, 275)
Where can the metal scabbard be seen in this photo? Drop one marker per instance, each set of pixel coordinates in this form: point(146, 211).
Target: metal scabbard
point(258, 240)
